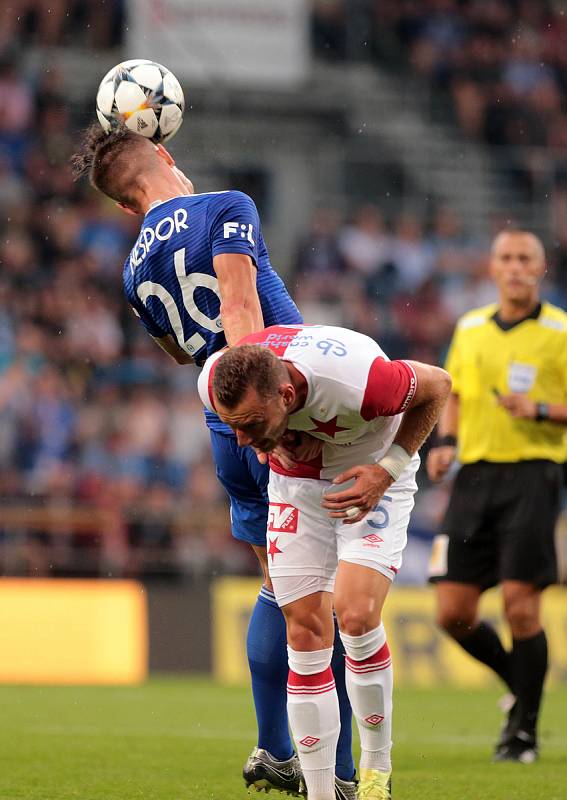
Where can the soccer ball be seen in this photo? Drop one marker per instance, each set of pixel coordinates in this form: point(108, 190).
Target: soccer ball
point(142, 95)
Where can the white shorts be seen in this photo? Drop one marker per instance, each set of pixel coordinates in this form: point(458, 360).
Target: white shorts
point(305, 544)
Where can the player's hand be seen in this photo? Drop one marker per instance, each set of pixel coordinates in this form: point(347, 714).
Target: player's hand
point(260, 455)
point(519, 405)
point(371, 481)
point(281, 453)
point(439, 459)
point(294, 447)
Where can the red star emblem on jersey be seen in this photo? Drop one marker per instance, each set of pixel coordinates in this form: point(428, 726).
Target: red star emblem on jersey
point(330, 428)
point(273, 549)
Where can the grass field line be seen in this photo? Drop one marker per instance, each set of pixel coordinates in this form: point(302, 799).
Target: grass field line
point(453, 740)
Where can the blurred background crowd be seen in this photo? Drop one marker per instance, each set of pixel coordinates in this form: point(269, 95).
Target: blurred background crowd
point(104, 456)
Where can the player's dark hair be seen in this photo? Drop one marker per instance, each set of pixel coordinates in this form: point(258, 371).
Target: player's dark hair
point(112, 161)
point(243, 367)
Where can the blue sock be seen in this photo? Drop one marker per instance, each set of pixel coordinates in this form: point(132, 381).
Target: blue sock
point(267, 657)
point(344, 768)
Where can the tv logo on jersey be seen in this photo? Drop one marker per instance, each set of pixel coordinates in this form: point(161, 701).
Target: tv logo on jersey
point(231, 228)
point(282, 518)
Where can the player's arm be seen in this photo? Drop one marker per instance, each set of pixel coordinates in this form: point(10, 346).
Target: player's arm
point(420, 392)
point(235, 236)
point(240, 309)
point(424, 409)
point(170, 346)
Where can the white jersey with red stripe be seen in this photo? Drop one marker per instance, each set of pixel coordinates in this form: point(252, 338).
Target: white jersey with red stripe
point(355, 396)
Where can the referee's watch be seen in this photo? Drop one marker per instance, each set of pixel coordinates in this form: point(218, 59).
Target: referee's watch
point(542, 412)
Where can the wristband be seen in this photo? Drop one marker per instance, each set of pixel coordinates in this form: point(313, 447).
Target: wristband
point(448, 440)
point(395, 461)
point(542, 412)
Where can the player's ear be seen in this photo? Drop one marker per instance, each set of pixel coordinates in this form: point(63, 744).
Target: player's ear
point(127, 209)
point(287, 392)
point(163, 153)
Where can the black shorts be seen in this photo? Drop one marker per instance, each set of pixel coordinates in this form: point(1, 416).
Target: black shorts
point(500, 525)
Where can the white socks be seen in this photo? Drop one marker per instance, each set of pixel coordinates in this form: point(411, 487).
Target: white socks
point(369, 682)
point(313, 711)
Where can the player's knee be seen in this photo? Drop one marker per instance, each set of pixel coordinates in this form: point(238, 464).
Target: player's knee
point(306, 633)
point(522, 619)
point(355, 621)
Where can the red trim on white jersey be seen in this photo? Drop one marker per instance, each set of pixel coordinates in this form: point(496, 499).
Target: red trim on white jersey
point(390, 388)
point(302, 469)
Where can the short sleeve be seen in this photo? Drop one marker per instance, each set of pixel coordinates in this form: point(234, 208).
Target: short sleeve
point(390, 388)
point(234, 225)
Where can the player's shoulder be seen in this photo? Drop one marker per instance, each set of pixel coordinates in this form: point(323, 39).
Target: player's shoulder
point(476, 317)
point(553, 317)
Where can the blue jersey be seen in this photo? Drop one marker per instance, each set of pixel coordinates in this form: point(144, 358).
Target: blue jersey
point(169, 278)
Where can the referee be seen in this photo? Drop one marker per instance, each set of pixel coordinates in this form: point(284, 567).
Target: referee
point(505, 421)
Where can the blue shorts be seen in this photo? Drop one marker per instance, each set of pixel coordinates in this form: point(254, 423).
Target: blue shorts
point(246, 483)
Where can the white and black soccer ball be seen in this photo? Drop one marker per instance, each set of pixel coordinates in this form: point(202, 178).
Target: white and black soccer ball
point(144, 96)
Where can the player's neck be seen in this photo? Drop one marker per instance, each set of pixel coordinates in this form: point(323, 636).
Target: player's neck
point(510, 311)
point(159, 191)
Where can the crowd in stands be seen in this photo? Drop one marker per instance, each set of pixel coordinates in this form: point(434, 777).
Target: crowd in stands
point(501, 64)
point(104, 457)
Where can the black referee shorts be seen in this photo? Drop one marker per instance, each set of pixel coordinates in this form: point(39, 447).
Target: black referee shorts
point(500, 524)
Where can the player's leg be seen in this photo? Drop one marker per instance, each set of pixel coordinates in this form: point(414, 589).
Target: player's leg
point(267, 659)
point(272, 762)
point(463, 563)
point(360, 592)
point(370, 554)
point(313, 706)
point(303, 561)
point(530, 503)
point(277, 524)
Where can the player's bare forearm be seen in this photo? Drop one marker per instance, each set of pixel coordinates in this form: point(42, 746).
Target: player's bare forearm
point(433, 388)
point(240, 310)
point(240, 320)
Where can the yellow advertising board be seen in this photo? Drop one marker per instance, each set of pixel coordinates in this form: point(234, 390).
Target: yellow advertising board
point(72, 631)
point(422, 655)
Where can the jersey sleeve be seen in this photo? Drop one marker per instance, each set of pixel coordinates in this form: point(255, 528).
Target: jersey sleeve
point(390, 388)
point(234, 225)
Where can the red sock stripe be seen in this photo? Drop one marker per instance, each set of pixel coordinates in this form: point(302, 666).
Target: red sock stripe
point(380, 660)
point(310, 684)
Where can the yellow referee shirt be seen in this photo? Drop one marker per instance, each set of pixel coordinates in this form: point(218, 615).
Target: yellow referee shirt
point(529, 358)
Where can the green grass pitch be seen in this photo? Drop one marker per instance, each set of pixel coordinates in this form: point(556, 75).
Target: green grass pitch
point(180, 739)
